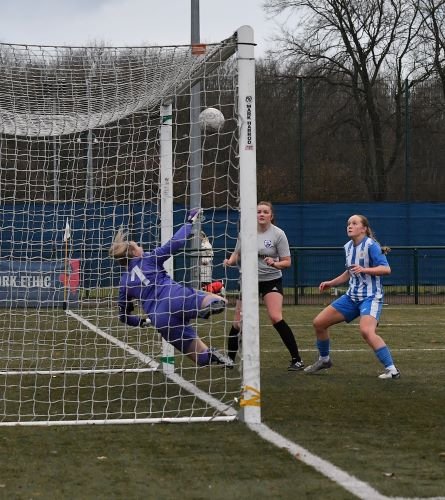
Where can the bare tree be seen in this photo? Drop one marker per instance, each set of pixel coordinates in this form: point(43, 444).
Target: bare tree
point(356, 44)
point(433, 37)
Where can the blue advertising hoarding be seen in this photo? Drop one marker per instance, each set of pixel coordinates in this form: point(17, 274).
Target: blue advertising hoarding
point(28, 283)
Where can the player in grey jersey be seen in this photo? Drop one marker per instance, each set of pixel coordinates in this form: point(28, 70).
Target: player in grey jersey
point(273, 257)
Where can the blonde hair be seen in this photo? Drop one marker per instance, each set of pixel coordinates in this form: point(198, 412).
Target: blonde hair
point(119, 249)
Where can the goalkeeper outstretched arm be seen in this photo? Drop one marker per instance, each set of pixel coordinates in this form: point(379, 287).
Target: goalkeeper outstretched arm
point(177, 241)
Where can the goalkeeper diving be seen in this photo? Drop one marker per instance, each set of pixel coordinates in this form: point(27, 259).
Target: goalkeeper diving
point(169, 305)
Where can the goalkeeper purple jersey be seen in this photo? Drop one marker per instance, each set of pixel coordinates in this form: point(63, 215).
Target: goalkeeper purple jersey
point(159, 295)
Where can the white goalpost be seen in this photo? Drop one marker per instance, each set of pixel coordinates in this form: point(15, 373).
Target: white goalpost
point(97, 138)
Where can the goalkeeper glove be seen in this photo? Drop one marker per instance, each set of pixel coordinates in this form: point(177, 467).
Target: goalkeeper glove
point(126, 309)
point(193, 215)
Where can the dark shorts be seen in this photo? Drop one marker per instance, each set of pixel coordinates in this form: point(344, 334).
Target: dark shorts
point(265, 287)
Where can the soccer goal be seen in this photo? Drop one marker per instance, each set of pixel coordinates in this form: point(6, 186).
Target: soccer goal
point(97, 138)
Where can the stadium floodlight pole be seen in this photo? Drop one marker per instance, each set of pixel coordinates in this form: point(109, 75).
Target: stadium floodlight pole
point(251, 396)
point(56, 168)
point(195, 166)
point(56, 165)
point(166, 196)
point(90, 172)
point(89, 188)
point(90, 181)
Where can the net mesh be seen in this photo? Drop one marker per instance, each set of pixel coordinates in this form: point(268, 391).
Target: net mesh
point(79, 145)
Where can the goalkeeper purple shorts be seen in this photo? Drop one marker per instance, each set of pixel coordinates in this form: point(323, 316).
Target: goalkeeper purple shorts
point(172, 315)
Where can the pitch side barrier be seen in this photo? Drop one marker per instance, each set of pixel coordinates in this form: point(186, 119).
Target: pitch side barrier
point(417, 272)
point(33, 283)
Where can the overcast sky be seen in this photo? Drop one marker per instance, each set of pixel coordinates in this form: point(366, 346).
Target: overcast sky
point(129, 22)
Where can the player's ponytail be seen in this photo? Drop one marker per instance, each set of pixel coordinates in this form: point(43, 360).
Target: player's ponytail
point(370, 234)
point(119, 248)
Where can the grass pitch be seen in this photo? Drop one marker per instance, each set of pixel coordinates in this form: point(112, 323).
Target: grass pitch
point(388, 433)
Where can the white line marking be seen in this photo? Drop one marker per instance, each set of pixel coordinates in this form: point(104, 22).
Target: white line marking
point(350, 483)
point(123, 345)
point(413, 307)
point(53, 373)
point(188, 386)
point(342, 478)
point(359, 349)
point(402, 349)
point(121, 421)
point(355, 325)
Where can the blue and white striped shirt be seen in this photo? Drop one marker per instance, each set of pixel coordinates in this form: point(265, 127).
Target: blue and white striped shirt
point(366, 254)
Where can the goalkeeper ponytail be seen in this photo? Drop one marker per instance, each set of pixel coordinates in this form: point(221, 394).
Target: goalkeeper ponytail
point(119, 248)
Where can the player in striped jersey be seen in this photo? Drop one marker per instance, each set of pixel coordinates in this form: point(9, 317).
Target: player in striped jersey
point(366, 263)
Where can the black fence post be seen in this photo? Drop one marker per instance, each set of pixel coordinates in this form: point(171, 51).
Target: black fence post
point(416, 276)
point(295, 261)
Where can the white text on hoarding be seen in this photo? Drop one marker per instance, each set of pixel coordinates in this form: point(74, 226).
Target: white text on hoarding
point(24, 281)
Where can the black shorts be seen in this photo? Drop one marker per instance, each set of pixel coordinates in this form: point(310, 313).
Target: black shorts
point(265, 287)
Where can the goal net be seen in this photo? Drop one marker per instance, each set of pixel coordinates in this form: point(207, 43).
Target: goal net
point(93, 139)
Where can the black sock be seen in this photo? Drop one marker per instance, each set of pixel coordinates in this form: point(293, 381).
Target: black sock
point(233, 343)
point(288, 338)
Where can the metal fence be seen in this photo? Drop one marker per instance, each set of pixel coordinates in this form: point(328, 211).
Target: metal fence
point(418, 275)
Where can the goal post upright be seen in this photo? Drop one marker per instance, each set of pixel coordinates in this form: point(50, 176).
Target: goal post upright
point(250, 401)
point(166, 207)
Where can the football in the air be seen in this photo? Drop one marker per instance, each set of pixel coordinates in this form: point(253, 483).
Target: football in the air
point(211, 119)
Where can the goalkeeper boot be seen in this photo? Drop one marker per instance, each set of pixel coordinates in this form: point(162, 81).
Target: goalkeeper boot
point(218, 358)
point(215, 307)
point(390, 374)
point(318, 365)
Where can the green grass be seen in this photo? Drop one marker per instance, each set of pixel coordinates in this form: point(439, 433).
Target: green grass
point(387, 433)
point(50, 340)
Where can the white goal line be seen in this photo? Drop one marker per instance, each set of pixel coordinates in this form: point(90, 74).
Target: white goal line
point(77, 372)
point(227, 410)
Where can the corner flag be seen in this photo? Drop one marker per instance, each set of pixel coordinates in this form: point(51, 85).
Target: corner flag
point(67, 233)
